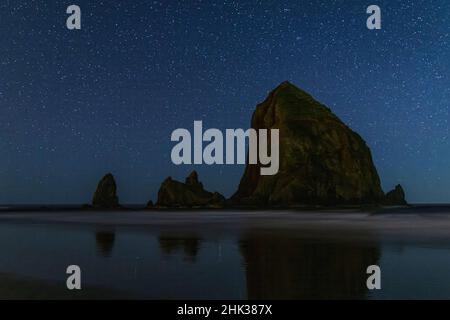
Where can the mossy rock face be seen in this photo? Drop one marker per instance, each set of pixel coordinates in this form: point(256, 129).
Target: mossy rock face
point(322, 161)
point(105, 197)
point(175, 194)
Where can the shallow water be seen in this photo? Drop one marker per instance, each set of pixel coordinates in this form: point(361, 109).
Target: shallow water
point(224, 255)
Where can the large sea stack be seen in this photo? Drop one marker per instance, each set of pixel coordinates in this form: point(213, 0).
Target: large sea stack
point(322, 161)
point(191, 194)
point(105, 197)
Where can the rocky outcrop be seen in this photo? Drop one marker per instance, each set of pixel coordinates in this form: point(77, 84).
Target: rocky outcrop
point(395, 197)
point(322, 161)
point(150, 205)
point(105, 197)
point(175, 194)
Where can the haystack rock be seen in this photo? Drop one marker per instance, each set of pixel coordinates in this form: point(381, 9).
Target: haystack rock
point(175, 194)
point(395, 197)
point(105, 197)
point(322, 161)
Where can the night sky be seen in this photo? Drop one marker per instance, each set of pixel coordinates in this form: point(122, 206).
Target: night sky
point(76, 104)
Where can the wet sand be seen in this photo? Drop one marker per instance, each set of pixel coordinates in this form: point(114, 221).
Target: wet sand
point(225, 254)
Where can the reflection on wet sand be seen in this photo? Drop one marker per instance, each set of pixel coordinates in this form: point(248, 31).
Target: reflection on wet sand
point(105, 242)
point(278, 266)
point(189, 244)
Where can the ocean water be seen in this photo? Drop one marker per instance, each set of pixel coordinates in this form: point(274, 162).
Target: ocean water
point(225, 254)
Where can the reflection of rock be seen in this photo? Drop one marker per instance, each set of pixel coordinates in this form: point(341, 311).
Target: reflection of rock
point(105, 197)
point(322, 161)
point(175, 194)
point(395, 197)
point(105, 242)
point(189, 244)
point(282, 267)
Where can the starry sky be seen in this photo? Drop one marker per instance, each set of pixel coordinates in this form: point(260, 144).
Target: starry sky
point(76, 104)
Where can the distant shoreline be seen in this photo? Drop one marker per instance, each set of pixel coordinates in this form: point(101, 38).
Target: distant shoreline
point(141, 208)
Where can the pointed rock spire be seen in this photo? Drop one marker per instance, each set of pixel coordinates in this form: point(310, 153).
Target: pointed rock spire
point(105, 197)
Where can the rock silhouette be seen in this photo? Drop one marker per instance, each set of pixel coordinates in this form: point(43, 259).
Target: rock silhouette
point(105, 197)
point(322, 161)
point(175, 194)
point(395, 197)
point(150, 205)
